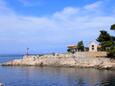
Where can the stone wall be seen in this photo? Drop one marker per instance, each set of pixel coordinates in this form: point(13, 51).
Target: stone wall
point(77, 54)
point(91, 54)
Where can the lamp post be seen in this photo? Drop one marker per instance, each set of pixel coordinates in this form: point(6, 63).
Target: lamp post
point(27, 52)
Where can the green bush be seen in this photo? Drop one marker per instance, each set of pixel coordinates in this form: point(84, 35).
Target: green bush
point(111, 52)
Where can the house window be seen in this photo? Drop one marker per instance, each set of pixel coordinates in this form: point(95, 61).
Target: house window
point(92, 48)
point(92, 45)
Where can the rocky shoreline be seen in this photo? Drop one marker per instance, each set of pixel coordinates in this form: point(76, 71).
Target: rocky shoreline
point(64, 60)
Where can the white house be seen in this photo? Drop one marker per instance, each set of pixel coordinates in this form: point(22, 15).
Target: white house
point(93, 47)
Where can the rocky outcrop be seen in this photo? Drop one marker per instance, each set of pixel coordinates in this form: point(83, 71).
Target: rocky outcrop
point(68, 60)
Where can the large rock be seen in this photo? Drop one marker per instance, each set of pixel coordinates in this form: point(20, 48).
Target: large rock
point(69, 60)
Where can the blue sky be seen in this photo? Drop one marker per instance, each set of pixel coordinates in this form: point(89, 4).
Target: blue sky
point(47, 26)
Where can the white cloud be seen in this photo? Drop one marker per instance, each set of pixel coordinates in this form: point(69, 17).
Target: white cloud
point(61, 28)
point(4, 10)
point(66, 12)
point(95, 5)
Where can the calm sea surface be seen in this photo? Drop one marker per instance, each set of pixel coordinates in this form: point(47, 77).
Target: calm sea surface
point(55, 76)
point(5, 58)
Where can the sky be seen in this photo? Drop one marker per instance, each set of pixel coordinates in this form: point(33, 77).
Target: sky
point(46, 26)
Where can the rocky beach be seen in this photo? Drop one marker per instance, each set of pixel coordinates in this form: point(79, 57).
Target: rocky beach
point(64, 60)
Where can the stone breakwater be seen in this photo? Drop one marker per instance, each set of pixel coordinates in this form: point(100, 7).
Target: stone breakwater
point(66, 60)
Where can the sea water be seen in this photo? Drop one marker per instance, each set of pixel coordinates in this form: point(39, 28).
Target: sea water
point(55, 76)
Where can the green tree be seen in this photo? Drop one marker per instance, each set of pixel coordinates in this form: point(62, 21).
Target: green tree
point(80, 46)
point(105, 40)
point(69, 50)
point(112, 27)
point(112, 50)
point(107, 43)
point(104, 36)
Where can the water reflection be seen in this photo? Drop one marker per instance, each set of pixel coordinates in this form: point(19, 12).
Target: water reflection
point(50, 76)
point(110, 81)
